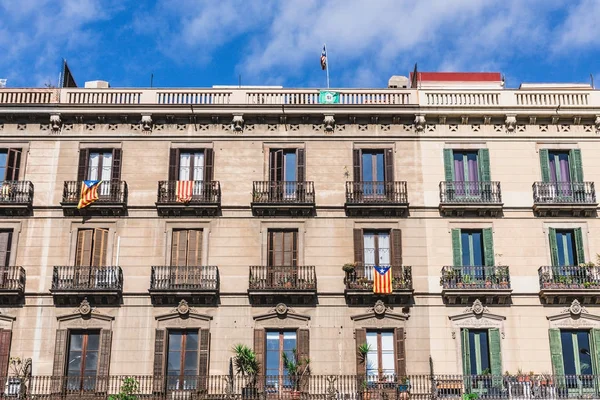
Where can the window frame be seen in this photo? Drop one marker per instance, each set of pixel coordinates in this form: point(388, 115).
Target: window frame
point(84, 351)
point(100, 152)
point(376, 233)
point(192, 153)
point(200, 233)
point(282, 381)
point(271, 262)
point(181, 383)
point(379, 354)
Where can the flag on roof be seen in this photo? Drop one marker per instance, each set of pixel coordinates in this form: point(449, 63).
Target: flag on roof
point(184, 191)
point(324, 59)
point(66, 77)
point(89, 193)
point(382, 279)
point(329, 97)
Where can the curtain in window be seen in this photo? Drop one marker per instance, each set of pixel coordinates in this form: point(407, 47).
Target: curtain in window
point(184, 166)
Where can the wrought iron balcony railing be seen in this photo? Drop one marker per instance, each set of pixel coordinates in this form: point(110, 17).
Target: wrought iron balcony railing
point(16, 192)
point(282, 278)
point(187, 278)
point(376, 193)
point(570, 277)
point(109, 192)
point(470, 192)
point(362, 278)
point(202, 192)
point(86, 278)
point(479, 277)
point(283, 192)
point(564, 193)
point(12, 278)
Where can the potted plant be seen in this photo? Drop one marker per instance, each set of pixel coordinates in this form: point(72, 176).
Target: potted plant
point(349, 268)
point(130, 387)
point(365, 390)
point(246, 365)
point(404, 384)
point(298, 369)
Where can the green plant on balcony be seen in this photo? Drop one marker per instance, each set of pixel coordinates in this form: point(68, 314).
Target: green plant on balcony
point(286, 281)
point(130, 387)
point(298, 368)
point(349, 268)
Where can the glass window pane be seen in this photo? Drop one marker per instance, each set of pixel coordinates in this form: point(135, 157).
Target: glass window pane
point(369, 248)
point(367, 167)
point(191, 361)
point(289, 160)
point(74, 366)
point(289, 341)
point(273, 358)
point(477, 249)
point(272, 340)
point(585, 354)
point(174, 361)
point(387, 341)
point(465, 241)
point(199, 166)
point(379, 169)
point(570, 247)
point(484, 351)
point(106, 167)
point(76, 342)
point(566, 338)
point(93, 166)
point(91, 361)
point(561, 248)
point(191, 341)
point(175, 341)
point(184, 166)
point(388, 362)
point(384, 248)
point(459, 167)
point(93, 341)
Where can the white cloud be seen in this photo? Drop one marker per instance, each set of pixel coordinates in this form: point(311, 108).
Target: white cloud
point(580, 28)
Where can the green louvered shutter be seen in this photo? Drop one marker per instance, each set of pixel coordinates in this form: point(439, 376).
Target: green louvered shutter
point(448, 165)
point(484, 165)
point(488, 247)
point(575, 165)
point(545, 165)
point(579, 246)
point(456, 248)
point(556, 355)
point(595, 351)
point(495, 356)
point(553, 246)
point(466, 352)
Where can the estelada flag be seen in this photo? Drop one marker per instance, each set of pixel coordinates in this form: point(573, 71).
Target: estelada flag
point(89, 193)
point(382, 279)
point(184, 191)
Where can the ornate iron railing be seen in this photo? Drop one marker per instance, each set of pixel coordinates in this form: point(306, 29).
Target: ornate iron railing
point(16, 192)
point(470, 192)
point(12, 278)
point(264, 277)
point(167, 277)
point(288, 192)
point(564, 193)
point(376, 192)
point(77, 278)
point(479, 277)
point(570, 277)
point(108, 192)
point(362, 278)
point(202, 192)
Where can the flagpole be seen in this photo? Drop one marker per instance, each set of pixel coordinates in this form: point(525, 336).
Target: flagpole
point(327, 64)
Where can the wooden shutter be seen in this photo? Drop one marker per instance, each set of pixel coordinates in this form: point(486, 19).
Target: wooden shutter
point(553, 246)
point(595, 342)
point(448, 165)
point(204, 358)
point(456, 248)
point(276, 165)
point(84, 158)
point(556, 352)
point(83, 252)
point(60, 353)
point(466, 351)
point(271, 248)
point(13, 165)
point(303, 350)
point(5, 244)
point(5, 336)
point(100, 247)
point(396, 240)
point(400, 352)
point(360, 336)
point(356, 163)
point(575, 165)
point(359, 252)
point(259, 350)
point(174, 164)
point(488, 247)
point(194, 247)
point(103, 367)
point(160, 341)
point(388, 162)
point(209, 160)
point(179, 246)
point(495, 354)
point(484, 165)
point(116, 164)
point(545, 165)
point(301, 165)
point(579, 246)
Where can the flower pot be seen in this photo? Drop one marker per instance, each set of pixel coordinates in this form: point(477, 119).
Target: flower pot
point(403, 388)
point(295, 394)
point(249, 393)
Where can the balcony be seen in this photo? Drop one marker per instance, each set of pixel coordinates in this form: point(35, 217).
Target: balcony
point(275, 284)
point(12, 285)
point(562, 285)
point(198, 285)
point(376, 199)
point(284, 198)
point(112, 199)
point(473, 198)
point(101, 285)
point(359, 286)
point(553, 199)
point(16, 198)
point(463, 285)
point(204, 199)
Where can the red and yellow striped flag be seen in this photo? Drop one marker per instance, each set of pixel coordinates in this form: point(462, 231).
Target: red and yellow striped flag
point(89, 193)
point(382, 279)
point(184, 191)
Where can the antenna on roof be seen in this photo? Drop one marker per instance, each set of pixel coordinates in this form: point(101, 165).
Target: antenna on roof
point(592, 79)
point(2, 83)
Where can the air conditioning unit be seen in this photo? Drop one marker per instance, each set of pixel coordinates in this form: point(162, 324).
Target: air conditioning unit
point(398, 82)
point(97, 85)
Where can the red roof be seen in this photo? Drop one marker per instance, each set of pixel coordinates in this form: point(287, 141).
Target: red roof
point(458, 76)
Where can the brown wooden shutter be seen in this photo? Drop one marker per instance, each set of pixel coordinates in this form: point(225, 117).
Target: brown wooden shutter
point(360, 336)
point(84, 158)
point(116, 164)
point(276, 165)
point(103, 360)
point(100, 247)
point(301, 165)
point(388, 161)
point(160, 341)
point(303, 350)
point(359, 252)
point(271, 253)
point(259, 350)
point(60, 359)
point(396, 247)
point(13, 165)
point(400, 352)
point(174, 164)
point(209, 160)
point(194, 245)
point(356, 161)
point(204, 358)
point(5, 244)
point(83, 252)
point(182, 248)
point(5, 336)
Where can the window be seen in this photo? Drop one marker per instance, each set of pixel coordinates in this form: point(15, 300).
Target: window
point(100, 164)
point(481, 351)
point(566, 247)
point(561, 165)
point(10, 164)
point(182, 360)
point(373, 165)
point(473, 247)
point(286, 165)
point(575, 355)
point(465, 170)
point(186, 247)
point(82, 360)
point(91, 247)
point(5, 246)
point(282, 248)
point(5, 339)
point(376, 247)
point(380, 360)
point(191, 165)
point(278, 342)
point(576, 351)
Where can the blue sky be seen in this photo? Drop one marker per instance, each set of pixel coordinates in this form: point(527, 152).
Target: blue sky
point(195, 43)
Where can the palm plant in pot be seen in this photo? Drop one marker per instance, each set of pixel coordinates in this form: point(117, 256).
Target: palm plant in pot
point(297, 368)
point(247, 365)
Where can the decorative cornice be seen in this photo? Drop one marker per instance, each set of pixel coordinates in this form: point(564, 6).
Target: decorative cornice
point(281, 311)
point(85, 311)
point(183, 311)
point(379, 310)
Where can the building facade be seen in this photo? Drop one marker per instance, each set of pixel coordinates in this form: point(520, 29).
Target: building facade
point(256, 216)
